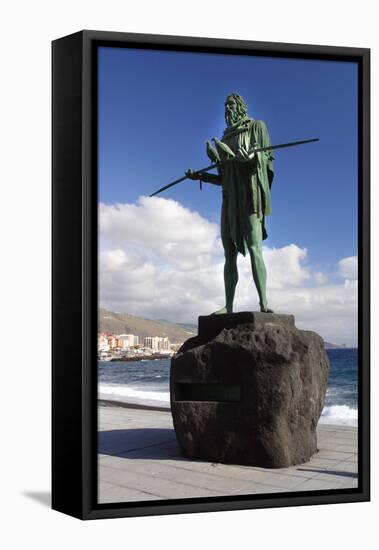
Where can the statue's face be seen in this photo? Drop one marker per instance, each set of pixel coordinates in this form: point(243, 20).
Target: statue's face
point(231, 113)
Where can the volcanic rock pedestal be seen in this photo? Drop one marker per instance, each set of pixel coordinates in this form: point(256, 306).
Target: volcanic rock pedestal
point(249, 389)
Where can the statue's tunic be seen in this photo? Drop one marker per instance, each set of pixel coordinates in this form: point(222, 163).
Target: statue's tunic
point(245, 188)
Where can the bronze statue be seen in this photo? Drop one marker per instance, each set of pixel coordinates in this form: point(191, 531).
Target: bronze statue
point(246, 184)
point(243, 159)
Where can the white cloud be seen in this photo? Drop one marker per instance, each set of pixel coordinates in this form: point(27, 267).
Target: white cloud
point(160, 260)
point(284, 266)
point(348, 267)
point(320, 277)
point(330, 310)
point(164, 228)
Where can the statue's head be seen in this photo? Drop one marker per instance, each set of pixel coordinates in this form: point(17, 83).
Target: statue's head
point(235, 108)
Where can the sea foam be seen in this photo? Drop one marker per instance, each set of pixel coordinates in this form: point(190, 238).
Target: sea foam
point(342, 415)
point(133, 395)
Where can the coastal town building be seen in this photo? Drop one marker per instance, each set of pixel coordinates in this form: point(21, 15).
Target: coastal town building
point(102, 342)
point(112, 341)
point(116, 346)
point(164, 344)
point(127, 340)
point(157, 343)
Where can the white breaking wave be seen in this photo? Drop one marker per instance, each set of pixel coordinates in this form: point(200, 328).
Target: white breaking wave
point(342, 415)
point(131, 395)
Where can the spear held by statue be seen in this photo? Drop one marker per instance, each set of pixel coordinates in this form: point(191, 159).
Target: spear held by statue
point(213, 153)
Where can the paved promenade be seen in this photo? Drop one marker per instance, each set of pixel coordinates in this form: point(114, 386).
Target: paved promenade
point(139, 460)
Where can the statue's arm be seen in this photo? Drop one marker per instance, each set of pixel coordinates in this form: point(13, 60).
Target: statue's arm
point(215, 179)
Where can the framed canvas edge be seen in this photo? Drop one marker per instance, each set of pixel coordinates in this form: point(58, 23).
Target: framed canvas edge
point(67, 365)
point(87, 507)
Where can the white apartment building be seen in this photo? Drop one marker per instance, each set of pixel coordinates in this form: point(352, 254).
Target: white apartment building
point(157, 343)
point(128, 340)
point(164, 344)
point(102, 342)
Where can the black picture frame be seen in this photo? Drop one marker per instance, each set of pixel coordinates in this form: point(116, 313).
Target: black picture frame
point(74, 272)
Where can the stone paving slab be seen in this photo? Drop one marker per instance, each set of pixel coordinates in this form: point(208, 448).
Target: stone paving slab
point(139, 460)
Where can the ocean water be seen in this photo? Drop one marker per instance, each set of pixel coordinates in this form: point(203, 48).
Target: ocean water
point(341, 403)
point(147, 383)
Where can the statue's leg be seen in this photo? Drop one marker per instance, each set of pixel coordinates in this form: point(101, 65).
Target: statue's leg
point(230, 277)
point(257, 263)
point(230, 269)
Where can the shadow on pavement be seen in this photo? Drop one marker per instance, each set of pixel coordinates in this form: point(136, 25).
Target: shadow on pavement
point(331, 472)
point(147, 443)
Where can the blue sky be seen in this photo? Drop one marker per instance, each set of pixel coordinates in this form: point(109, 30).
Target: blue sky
point(156, 111)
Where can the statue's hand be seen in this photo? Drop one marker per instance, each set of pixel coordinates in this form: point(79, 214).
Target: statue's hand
point(243, 153)
point(244, 156)
point(192, 175)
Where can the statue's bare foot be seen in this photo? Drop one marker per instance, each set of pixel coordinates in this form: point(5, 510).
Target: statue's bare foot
point(266, 310)
point(221, 311)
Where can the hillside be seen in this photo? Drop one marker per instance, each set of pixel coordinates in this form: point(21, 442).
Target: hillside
point(123, 323)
